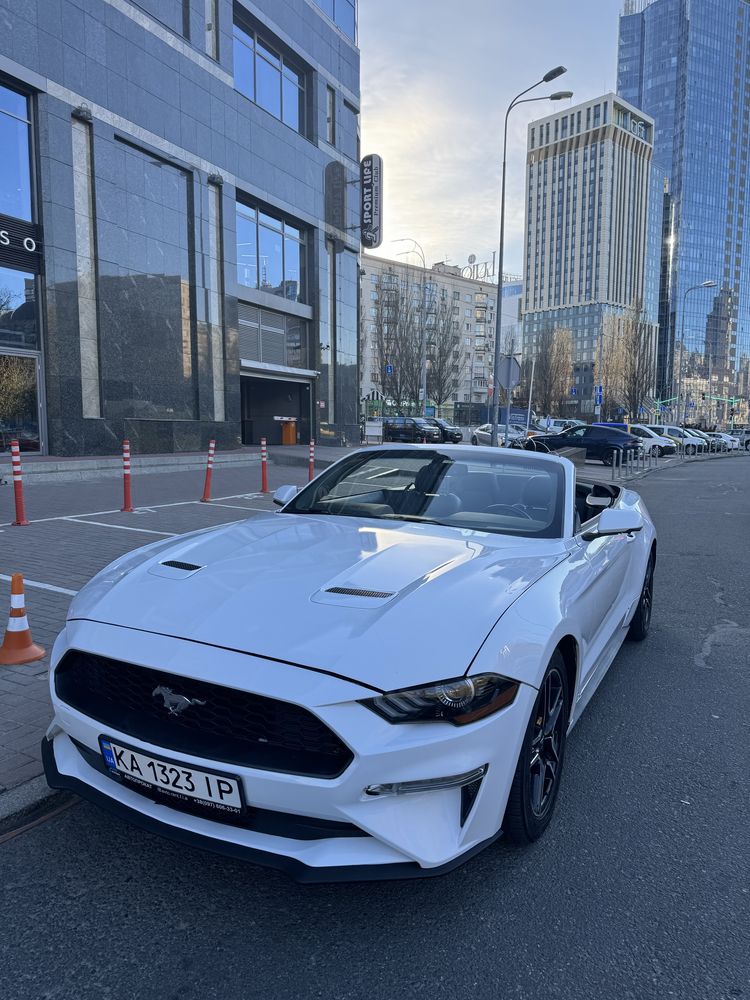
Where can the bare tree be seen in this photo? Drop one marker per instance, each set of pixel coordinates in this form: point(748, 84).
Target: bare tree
point(444, 367)
point(396, 337)
point(552, 371)
point(638, 360)
point(17, 388)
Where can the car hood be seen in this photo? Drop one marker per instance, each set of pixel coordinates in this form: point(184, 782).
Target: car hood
point(387, 605)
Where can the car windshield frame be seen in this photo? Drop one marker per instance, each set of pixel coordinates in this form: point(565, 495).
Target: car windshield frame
point(389, 474)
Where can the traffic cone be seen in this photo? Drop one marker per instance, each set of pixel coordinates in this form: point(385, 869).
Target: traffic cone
point(18, 646)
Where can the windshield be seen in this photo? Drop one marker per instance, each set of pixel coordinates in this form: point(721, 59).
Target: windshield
point(519, 496)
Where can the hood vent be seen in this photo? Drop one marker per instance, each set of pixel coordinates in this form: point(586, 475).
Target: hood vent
point(381, 595)
point(175, 564)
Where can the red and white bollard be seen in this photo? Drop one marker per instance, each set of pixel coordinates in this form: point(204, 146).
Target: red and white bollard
point(15, 459)
point(206, 498)
point(263, 466)
point(127, 501)
point(311, 466)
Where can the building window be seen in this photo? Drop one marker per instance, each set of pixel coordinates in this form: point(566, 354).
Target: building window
point(15, 171)
point(331, 115)
point(272, 338)
point(270, 253)
point(266, 77)
point(343, 13)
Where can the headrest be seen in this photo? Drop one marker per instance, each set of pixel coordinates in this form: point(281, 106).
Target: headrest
point(429, 476)
point(538, 492)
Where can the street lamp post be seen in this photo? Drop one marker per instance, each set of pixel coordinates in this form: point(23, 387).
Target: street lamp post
point(422, 328)
point(559, 96)
point(693, 288)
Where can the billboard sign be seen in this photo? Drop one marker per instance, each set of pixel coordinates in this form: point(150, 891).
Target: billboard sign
point(371, 183)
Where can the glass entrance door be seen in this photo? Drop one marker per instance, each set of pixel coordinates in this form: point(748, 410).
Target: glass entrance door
point(19, 402)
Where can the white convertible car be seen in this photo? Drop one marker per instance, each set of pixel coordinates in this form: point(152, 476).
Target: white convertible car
point(375, 681)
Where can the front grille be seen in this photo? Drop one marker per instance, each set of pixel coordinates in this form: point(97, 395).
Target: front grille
point(270, 821)
point(355, 592)
point(231, 726)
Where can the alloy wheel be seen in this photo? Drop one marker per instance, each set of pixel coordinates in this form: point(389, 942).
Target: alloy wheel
point(546, 742)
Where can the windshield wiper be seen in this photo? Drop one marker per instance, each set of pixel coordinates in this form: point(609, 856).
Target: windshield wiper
point(412, 517)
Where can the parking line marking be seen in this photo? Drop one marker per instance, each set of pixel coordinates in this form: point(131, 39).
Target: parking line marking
point(41, 586)
point(116, 510)
point(121, 527)
point(234, 506)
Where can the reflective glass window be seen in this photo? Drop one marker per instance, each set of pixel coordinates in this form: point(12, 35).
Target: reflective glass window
point(270, 257)
point(244, 69)
point(15, 162)
point(263, 75)
point(247, 247)
point(18, 310)
point(268, 86)
point(270, 253)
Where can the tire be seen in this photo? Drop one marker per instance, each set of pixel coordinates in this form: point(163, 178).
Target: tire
point(474, 439)
point(641, 623)
point(608, 457)
point(536, 782)
point(692, 449)
point(660, 451)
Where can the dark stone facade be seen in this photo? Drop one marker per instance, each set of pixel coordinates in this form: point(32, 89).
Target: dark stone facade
point(167, 128)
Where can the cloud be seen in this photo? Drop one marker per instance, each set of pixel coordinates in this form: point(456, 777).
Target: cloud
point(436, 80)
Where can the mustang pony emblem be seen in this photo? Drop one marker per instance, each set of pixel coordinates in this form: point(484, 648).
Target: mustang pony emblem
point(175, 703)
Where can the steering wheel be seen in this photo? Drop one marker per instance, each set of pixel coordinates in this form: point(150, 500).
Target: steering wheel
point(505, 508)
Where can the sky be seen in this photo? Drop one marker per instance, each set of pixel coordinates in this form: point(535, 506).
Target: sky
point(437, 77)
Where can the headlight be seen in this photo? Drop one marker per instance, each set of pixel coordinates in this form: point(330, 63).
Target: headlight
point(459, 701)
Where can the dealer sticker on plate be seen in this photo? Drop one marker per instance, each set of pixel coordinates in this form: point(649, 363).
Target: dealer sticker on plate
point(217, 791)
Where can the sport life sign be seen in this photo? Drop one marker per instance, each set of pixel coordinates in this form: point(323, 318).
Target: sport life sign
point(371, 182)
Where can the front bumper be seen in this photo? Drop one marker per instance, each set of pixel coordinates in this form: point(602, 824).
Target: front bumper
point(393, 836)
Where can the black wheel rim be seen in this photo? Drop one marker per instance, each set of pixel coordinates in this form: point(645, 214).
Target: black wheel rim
point(546, 743)
point(647, 596)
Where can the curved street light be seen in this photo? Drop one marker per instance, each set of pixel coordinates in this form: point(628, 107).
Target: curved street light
point(560, 95)
point(693, 288)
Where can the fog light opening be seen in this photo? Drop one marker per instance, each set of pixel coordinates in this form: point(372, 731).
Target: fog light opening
point(427, 784)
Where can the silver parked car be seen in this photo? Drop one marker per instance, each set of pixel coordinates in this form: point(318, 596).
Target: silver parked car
point(482, 435)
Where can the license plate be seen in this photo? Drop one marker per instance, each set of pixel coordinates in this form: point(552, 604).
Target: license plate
point(216, 791)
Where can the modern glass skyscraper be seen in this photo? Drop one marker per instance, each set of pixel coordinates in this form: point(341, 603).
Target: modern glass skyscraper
point(687, 65)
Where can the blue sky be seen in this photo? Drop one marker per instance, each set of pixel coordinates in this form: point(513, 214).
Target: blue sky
point(437, 76)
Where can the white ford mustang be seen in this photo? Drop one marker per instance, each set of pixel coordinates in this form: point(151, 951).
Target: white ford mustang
point(375, 681)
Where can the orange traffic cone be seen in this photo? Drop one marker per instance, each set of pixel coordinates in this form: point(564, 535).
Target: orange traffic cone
point(18, 646)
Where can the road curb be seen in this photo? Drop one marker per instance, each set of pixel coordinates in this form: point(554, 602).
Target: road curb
point(21, 802)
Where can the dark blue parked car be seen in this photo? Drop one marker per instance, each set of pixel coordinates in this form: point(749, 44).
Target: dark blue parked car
point(600, 442)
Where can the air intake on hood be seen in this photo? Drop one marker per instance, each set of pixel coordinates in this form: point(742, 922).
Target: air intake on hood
point(354, 592)
point(175, 564)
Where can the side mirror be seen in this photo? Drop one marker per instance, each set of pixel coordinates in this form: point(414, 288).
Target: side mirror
point(284, 494)
point(615, 522)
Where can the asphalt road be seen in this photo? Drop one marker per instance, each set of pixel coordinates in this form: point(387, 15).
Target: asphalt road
point(640, 888)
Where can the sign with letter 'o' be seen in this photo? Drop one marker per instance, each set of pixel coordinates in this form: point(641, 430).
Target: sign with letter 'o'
point(371, 182)
point(509, 373)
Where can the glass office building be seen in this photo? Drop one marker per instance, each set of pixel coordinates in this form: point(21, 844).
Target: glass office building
point(687, 65)
point(171, 270)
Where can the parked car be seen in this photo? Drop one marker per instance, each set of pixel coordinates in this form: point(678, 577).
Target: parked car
point(743, 436)
point(450, 434)
point(411, 430)
point(555, 425)
point(599, 441)
point(347, 728)
point(483, 435)
point(650, 440)
point(692, 442)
